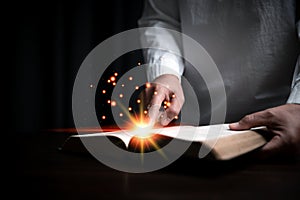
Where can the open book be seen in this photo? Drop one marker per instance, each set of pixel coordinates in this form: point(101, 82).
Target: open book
point(223, 143)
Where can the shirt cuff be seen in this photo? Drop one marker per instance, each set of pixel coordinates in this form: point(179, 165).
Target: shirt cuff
point(295, 94)
point(165, 64)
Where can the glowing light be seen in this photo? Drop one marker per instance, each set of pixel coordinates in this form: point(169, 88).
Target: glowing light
point(122, 85)
point(108, 81)
point(136, 87)
point(103, 91)
point(168, 104)
point(108, 101)
point(130, 78)
point(103, 117)
point(145, 136)
point(173, 95)
point(138, 101)
point(139, 63)
point(148, 85)
point(155, 93)
point(165, 107)
point(165, 102)
point(142, 130)
point(121, 95)
point(91, 85)
point(176, 117)
point(116, 74)
point(112, 78)
point(113, 103)
point(114, 83)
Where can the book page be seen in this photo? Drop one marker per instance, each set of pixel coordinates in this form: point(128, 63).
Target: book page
point(188, 133)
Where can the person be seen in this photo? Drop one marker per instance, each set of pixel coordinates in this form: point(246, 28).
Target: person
point(255, 46)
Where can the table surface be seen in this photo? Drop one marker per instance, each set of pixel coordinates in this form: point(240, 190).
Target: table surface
point(41, 171)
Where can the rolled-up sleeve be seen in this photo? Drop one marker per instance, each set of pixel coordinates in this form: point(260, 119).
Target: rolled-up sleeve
point(161, 14)
point(295, 91)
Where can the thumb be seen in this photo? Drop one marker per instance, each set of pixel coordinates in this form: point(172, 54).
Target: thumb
point(250, 121)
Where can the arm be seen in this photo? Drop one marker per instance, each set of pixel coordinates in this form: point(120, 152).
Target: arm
point(161, 14)
point(164, 69)
point(283, 122)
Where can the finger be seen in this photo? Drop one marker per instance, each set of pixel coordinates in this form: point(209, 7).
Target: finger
point(273, 147)
point(155, 104)
point(170, 113)
point(148, 92)
point(253, 120)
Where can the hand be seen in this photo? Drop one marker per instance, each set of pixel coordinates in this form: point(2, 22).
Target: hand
point(283, 124)
point(165, 88)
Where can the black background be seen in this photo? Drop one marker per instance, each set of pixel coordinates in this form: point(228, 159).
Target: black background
point(52, 38)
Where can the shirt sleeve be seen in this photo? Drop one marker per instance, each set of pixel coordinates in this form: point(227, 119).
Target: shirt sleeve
point(161, 14)
point(295, 92)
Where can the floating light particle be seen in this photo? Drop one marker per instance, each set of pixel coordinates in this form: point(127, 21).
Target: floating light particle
point(145, 112)
point(129, 108)
point(136, 87)
point(122, 85)
point(165, 107)
point(176, 117)
point(108, 101)
point(112, 78)
point(138, 101)
point(116, 74)
point(114, 83)
point(103, 91)
point(155, 92)
point(139, 63)
point(165, 102)
point(113, 103)
point(91, 85)
point(130, 78)
point(103, 117)
point(148, 85)
point(121, 114)
point(173, 95)
point(108, 81)
point(168, 104)
point(121, 95)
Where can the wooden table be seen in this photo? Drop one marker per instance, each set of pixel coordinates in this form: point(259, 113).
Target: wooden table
point(40, 171)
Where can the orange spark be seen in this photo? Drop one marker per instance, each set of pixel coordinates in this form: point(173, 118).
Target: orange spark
point(112, 78)
point(113, 103)
point(148, 85)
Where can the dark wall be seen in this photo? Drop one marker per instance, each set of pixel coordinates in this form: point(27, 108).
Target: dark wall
point(52, 39)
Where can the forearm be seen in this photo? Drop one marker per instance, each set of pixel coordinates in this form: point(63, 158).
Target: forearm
point(161, 14)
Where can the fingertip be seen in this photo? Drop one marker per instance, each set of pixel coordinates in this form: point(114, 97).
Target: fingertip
point(234, 126)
